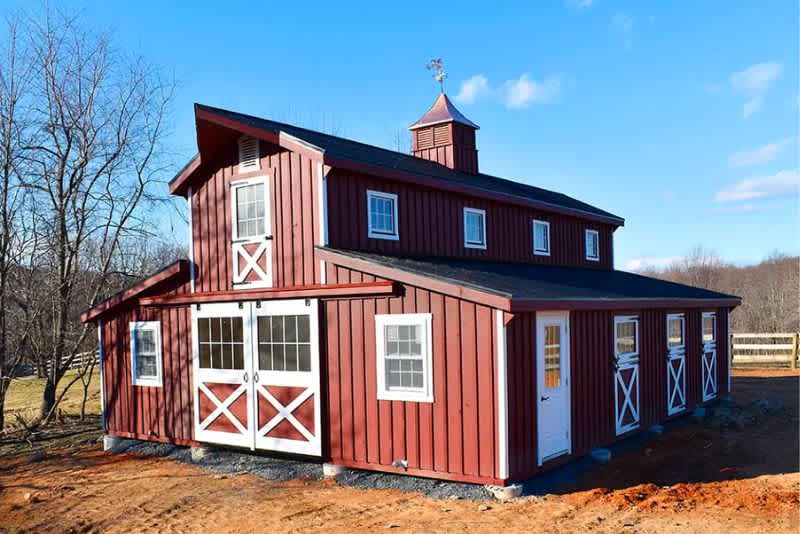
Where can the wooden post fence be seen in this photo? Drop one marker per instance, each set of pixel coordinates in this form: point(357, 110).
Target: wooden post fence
point(766, 350)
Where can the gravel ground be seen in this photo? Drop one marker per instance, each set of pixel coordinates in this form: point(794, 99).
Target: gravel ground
point(233, 462)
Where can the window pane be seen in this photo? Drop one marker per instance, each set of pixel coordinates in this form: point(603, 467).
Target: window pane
point(278, 360)
point(290, 325)
point(626, 337)
point(145, 341)
point(205, 356)
point(675, 329)
point(291, 357)
point(709, 333)
point(277, 329)
point(220, 342)
point(304, 357)
point(552, 356)
point(303, 330)
point(265, 357)
point(202, 330)
point(238, 356)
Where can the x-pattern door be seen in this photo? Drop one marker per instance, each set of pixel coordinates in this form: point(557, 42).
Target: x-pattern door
point(709, 360)
point(287, 377)
point(676, 364)
point(256, 369)
point(626, 373)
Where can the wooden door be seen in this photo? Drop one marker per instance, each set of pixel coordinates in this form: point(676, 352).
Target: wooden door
point(709, 357)
point(222, 374)
point(287, 379)
point(676, 363)
point(553, 389)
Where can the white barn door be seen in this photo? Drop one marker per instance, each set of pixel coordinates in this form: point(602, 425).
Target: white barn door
point(709, 359)
point(676, 363)
point(626, 373)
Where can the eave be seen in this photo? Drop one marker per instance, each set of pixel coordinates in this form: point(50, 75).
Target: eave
point(177, 270)
point(330, 291)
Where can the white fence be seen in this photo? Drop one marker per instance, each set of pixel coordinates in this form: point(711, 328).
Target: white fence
point(82, 359)
point(766, 350)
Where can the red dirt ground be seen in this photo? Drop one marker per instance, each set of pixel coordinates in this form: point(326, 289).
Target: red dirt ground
point(691, 479)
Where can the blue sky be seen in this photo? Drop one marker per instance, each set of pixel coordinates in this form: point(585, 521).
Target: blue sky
point(682, 117)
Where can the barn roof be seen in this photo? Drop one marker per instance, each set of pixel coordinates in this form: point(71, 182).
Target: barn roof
point(541, 286)
point(337, 150)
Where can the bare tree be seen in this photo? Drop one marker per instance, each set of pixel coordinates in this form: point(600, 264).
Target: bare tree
point(97, 128)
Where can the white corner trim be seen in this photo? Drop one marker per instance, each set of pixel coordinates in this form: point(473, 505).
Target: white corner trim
point(502, 396)
point(155, 326)
point(322, 184)
point(102, 382)
point(191, 240)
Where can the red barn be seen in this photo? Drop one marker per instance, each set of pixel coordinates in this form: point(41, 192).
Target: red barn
point(380, 310)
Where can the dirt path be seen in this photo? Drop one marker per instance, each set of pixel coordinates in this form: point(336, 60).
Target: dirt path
point(82, 489)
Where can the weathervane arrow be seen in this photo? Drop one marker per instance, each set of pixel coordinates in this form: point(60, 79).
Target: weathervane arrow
point(439, 73)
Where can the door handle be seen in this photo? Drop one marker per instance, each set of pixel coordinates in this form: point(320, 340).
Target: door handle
point(255, 377)
point(245, 378)
point(545, 398)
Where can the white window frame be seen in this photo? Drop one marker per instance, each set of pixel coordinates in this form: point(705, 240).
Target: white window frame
point(424, 320)
point(713, 317)
point(249, 168)
point(627, 319)
point(596, 235)
point(155, 327)
point(482, 214)
point(677, 349)
point(234, 210)
point(376, 234)
point(538, 251)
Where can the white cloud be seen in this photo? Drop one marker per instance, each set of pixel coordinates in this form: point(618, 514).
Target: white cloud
point(514, 94)
point(623, 22)
point(754, 82)
point(638, 264)
point(759, 155)
point(520, 93)
point(581, 4)
point(473, 88)
point(782, 184)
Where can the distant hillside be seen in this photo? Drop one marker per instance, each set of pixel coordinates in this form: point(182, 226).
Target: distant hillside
point(770, 291)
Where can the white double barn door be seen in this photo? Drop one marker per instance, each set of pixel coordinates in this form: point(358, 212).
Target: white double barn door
point(256, 375)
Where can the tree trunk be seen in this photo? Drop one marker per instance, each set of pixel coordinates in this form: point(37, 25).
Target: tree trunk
point(48, 399)
point(2, 407)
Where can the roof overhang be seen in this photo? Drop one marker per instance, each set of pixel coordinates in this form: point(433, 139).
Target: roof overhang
point(329, 291)
point(505, 301)
point(175, 272)
point(180, 183)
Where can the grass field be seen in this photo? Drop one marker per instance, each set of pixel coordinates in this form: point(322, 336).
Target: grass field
point(25, 394)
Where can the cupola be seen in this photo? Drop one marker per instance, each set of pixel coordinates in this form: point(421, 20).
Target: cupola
point(446, 136)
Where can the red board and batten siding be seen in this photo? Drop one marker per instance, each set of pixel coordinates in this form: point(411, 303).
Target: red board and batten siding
point(455, 436)
point(295, 218)
point(144, 412)
point(592, 379)
point(431, 224)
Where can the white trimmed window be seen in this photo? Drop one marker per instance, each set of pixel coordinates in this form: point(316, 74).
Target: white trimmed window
point(709, 327)
point(541, 238)
point(145, 353)
point(675, 332)
point(405, 358)
point(626, 337)
point(250, 210)
point(592, 245)
point(474, 228)
point(382, 215)
point(249, 154)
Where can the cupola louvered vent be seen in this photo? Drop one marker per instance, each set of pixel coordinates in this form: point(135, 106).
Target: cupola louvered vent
point(249, 157)
point(424, 138)
point(441, 135)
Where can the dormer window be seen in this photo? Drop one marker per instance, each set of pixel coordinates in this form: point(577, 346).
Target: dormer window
point(382, 215)
point(592, 245)
point(474, 228)
point(249, 155)
point(541, 238)
point(250, 210)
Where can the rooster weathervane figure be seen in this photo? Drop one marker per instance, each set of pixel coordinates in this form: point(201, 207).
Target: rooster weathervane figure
point(439, 73)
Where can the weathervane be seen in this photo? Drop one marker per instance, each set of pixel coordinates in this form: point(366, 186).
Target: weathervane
point(439, 75)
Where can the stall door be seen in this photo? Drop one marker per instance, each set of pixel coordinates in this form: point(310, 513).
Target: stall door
point(287, 400)
point(256, 369)
point(222, 374)
point(553, 393)
point(676, 363)
point(626, 373)
point(709, 363)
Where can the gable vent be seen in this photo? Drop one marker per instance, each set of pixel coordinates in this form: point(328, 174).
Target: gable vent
point(441, 135)
point(249, 157)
